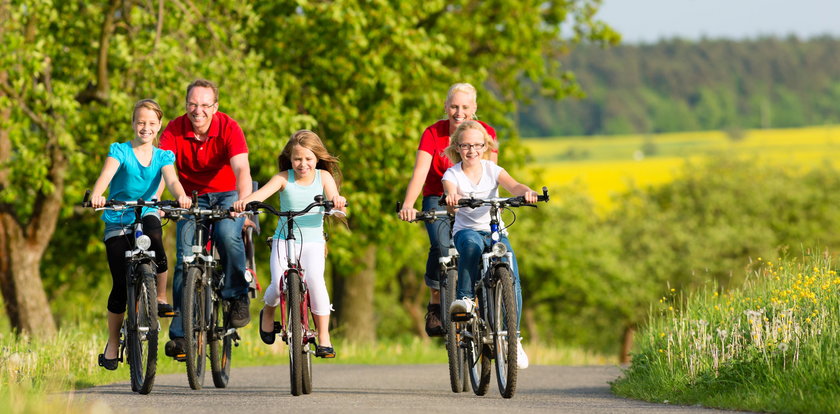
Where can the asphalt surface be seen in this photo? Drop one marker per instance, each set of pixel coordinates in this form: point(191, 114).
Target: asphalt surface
point(382, 388)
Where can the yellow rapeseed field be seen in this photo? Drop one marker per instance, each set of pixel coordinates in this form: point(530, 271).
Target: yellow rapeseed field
point(609, 165)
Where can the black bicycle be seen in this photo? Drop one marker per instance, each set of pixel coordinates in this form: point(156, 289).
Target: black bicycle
point(206, 316)
point(294, 326)
point(448, 277)
point(490, 331)
point(140, 329)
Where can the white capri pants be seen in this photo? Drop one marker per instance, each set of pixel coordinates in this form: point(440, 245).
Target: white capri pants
point(312, 260)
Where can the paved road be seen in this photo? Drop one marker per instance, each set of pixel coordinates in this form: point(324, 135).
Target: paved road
point(365, 389)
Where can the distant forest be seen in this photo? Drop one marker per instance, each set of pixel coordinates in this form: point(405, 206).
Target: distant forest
point(678, 85)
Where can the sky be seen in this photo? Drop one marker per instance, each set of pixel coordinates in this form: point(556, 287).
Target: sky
point(646, 21)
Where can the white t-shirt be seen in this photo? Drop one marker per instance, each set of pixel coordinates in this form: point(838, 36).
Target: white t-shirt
point(487, 187)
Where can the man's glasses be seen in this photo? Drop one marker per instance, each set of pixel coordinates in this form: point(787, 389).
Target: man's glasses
point(467, 147)
point(192, 106)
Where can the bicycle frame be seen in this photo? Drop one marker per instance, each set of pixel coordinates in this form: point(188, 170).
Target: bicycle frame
point(203, 255)
point(294, 301)
point(293, 266)
point(494, 334)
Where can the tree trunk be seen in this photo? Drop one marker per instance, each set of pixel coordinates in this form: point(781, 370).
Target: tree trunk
point(23, 242)
point(356, 313)
point(627, 344)
point(412, 293)
point(20, 281)
point(531, 324)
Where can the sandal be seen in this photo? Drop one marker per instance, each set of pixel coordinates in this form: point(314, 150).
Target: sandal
point(324, 351)
point(165, 310)
point(110, 364)
point(267, 337)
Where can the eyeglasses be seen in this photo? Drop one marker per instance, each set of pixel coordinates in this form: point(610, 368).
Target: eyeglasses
point(467, 147)
point(192, 106)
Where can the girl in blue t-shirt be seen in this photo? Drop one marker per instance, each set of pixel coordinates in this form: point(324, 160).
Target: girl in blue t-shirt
point(306, 170)
point(134, 170)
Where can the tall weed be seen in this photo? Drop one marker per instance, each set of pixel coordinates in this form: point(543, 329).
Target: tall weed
point(775, 340)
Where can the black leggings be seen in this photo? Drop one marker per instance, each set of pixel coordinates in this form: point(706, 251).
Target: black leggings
point(115, 248)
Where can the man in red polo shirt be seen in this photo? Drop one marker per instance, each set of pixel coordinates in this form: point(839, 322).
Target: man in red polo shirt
point(212, 158)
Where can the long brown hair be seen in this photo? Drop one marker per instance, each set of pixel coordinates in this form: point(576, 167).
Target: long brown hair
point(311, 141)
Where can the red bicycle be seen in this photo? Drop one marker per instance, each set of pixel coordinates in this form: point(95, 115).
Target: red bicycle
point(294, 326)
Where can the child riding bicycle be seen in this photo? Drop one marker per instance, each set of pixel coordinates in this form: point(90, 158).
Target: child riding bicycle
point(306, 169)
point(473, 175)
point(133, 170)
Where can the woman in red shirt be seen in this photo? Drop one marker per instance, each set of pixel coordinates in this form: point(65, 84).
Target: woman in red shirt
point(429, 166)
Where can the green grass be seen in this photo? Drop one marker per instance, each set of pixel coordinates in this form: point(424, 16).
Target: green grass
point(773, 345)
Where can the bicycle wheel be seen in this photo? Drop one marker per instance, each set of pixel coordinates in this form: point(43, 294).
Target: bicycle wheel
point(195, 330)
point(454, 351)
point(220, 344)
point(447, 295)
point(306, 369)
point(142, 332)
point(294, 331)
point(478, 361)
point(504, 331)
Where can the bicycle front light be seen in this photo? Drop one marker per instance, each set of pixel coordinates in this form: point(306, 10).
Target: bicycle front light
point(499, 249)
point(144, 242)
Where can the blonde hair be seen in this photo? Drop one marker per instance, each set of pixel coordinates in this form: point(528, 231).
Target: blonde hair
point(465, 88)
point(311, 141)
point(149, 104)
point(452, 151)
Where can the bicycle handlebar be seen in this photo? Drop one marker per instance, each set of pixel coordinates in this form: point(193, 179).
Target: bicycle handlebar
point(122, 205)
point(255, 206)
point(518, 201)
point(428, 216)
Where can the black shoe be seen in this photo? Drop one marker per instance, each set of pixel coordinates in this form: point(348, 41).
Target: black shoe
point(433, 325)
point(165, 310)
point(109, 364)
point(240, 313)
point(267, 337)
point(324, 351)
point(176, 348)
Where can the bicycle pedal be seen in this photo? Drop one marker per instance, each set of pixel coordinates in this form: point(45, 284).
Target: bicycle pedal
point(461, 316)
point(278, 327)
point(180, 357)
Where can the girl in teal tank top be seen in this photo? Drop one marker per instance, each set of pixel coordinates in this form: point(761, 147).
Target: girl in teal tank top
point(306, 169)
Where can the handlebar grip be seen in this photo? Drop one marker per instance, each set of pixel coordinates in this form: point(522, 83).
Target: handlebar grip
point(399, 207)
point(543, 197)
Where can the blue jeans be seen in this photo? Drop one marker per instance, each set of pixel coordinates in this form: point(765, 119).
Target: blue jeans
point(227, 234)
point(438, 242)
point(470, 245)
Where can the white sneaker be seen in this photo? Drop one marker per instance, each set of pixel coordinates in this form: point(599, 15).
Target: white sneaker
point(521, 356)
point(463, 305)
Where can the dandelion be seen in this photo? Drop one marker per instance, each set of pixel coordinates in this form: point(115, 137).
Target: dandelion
point(783, 346)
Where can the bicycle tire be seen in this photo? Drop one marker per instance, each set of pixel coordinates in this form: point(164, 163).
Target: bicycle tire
point(477, 359)
point(454, 351)
point(295, 332)
point(142, 332)
point(306, 367)
point(504, 331)
point(220, 344)
point(195, 331)
point(447, 295)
